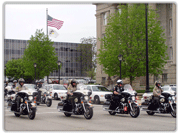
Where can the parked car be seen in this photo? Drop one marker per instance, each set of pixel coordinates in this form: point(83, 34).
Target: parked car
point(166, 88)
point(98, 92)
point(81, 81)
point(57, 91)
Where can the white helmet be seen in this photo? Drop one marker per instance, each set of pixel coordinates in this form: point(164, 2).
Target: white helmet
point(119, 82)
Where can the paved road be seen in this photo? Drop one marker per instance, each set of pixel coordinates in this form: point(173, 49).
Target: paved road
point(49, 119)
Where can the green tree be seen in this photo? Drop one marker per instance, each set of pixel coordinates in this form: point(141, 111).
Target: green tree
point(41, 52)
point(125, 35)
point(14, 68)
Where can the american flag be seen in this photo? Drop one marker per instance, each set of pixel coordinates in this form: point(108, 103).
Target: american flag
point(54, 22)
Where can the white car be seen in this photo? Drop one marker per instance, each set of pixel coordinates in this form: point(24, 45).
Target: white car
point(57, 91)
point(166, 88)
point(98, 92)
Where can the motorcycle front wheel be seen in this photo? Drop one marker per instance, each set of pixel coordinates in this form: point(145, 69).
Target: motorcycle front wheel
point(32, 113)
point(89, 113)
point(173, 113)
point(135, 112)
point(48, 102)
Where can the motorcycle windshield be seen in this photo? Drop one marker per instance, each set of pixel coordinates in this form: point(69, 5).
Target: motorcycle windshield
point(128, 88)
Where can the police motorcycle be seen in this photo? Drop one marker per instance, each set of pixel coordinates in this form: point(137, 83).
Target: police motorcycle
point(6, 89)
point(126, 105)
point(10, 94)
point(167, 103)
point(10, 97)
point(82, 104)
point(44, 96)
point(27, 104)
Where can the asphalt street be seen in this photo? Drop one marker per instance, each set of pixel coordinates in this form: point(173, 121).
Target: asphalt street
point(49, 119)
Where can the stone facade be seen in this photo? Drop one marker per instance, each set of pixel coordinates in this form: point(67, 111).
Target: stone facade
point(167, 17)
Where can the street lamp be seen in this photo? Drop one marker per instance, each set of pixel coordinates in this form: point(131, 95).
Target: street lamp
point(5, 72)
point(35, 65)
point(147, 60)
point(120, 59)
point(59, 63)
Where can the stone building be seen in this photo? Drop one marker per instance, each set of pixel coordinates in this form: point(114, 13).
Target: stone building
point(167, 17)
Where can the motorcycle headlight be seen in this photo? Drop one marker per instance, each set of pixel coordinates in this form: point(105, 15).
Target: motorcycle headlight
point(76, 100)
point(173, 98)
point(123, 99)
point(30, 98)
point(86, 98)
point(133, 98)
point(162, 100)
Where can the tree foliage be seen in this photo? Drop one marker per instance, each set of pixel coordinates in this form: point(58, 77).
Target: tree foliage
point(14, 68)
point(125, 34)
point(41, 52)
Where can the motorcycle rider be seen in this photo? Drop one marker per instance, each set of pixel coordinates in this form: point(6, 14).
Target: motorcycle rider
point(19, 88)
point(157, 92)
point(14, 83)
point(37, 85)
point(40, 83)
point(71, 88)
point(116, 93)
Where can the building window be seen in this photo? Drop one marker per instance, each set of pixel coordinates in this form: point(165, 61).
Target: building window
point(170, 27)
point(170, 6)
point(158, 7)
point(103, 80)
point(156, 78)
point(119, 10)
point(164, 78)
point(105, 18)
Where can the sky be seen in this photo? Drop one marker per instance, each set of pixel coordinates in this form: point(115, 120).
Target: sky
point(22, 20)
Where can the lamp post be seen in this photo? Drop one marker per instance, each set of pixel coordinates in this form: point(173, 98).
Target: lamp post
point(120, 59)
point(35, 65)
point(147, 61)
point(59, 63)
point(5, 73)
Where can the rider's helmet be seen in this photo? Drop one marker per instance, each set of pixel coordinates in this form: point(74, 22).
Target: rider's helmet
point(73, 81)
point(21, 80)
point(119, 82)
point(41, 81)
point(14, 81)
point(158, 83)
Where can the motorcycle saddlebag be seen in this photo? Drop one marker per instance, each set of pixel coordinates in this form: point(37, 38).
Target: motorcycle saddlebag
point(67, 107)
point(108, 96)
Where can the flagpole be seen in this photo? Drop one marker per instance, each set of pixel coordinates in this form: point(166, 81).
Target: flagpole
point(47, 34)
point(47, 21)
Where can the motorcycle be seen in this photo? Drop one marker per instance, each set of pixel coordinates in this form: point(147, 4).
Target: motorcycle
point(126, 104)
point(44, 97)
point(27, 104)
point(82, 104)
point(167, 104)
point(10, 97)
